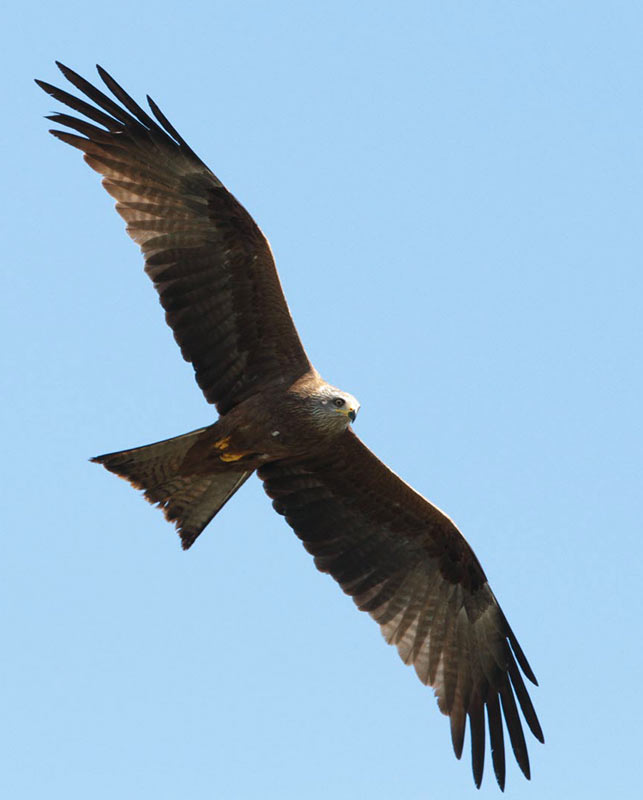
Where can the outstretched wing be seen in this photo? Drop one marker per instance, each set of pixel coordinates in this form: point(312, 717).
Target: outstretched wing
point(210, 263)
point(405, 562)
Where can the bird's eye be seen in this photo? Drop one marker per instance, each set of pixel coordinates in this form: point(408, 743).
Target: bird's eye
point(339, 402)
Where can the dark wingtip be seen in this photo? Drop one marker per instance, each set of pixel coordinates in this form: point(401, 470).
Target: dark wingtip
point(520, 656)
point(46, 87)
point(457, 732)
point(104, 74)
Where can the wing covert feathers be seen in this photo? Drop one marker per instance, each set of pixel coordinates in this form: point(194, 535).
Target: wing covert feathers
point(407, 565)
point(210, 263)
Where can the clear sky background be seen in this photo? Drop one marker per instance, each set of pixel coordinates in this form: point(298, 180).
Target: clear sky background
point(453, 194)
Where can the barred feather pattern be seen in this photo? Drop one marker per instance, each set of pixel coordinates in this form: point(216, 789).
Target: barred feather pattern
point(210, 263)
point(405, 563)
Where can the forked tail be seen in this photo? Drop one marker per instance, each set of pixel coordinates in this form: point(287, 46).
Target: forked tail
point(189, 500)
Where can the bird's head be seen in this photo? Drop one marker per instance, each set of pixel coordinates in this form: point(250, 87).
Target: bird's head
point(333, 409)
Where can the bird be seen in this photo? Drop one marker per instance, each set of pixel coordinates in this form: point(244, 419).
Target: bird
point(400, 558)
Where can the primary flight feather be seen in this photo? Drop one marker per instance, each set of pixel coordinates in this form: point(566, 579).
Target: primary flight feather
point(399, 557)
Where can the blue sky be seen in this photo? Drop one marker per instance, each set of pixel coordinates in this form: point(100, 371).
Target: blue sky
point(453, 195)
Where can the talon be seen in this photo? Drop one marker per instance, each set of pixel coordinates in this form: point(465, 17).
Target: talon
point(222, 444)
point(231, 456)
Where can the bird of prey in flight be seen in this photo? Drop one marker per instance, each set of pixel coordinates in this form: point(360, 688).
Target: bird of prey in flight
point(399, 557)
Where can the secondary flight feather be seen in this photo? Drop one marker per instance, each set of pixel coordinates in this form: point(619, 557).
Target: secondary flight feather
point(399, 557)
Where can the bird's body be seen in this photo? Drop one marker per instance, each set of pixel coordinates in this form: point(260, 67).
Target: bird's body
point(399, 557)
point(270, 426)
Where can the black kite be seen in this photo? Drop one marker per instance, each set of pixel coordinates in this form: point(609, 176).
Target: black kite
point(398, 556)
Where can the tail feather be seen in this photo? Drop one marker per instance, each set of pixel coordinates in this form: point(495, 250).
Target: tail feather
point(189, 500)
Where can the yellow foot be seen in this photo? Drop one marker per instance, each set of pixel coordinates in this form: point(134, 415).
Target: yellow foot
point(231, 456)
point(222, 444)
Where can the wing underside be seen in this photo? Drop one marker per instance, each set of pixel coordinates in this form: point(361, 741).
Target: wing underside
point(210, 263)
point(406, 564)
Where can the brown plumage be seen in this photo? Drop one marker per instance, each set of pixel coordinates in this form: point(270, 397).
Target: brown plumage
point(399, 557)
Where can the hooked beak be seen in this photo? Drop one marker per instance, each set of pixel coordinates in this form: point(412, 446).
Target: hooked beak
point(352, 414)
